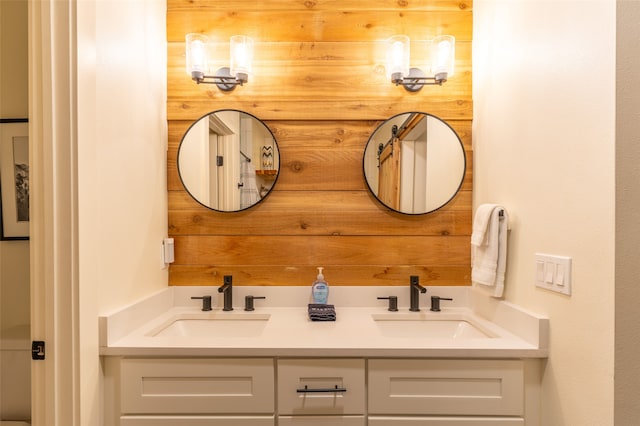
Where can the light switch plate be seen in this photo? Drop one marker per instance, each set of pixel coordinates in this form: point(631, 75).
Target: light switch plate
point(553, 273)
point(168, 255)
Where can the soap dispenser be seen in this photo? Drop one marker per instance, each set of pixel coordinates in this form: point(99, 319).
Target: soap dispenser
point(320, 289)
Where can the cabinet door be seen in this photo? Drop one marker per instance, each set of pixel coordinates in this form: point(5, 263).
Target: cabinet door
point(321, 386)
point(196, 421)
point(197, 386)
point(446, 387)
point(445, 421)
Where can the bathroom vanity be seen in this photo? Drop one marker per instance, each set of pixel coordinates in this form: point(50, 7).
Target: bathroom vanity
point(168, 363)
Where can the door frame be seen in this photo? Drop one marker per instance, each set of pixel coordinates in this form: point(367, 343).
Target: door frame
point(53, 215)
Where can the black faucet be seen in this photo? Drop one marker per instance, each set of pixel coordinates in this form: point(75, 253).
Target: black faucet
point(435, 302)
point(414, 293)
point(393, 302)
point(248, 302)
point(206, 302)
point(226, 288)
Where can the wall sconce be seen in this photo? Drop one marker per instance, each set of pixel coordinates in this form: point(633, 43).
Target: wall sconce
point(226, 78)
point(398, 60)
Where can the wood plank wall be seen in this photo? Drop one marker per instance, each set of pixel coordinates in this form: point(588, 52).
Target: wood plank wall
point(319, 85)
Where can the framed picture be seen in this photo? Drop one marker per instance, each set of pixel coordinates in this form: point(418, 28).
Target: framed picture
point(14, 179)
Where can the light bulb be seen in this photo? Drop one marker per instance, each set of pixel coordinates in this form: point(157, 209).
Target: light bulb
point(443, 56)
point(197, 58)
point(398, 57)
point(241, 51)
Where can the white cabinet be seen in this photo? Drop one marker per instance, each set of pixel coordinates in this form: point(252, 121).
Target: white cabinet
point(461, 387)
point(315, 392)
point(195, 421)
point(444, 421)
point(440, 391)
point(192, 391)
point(156, 391)
point(197, 385)
point(321, 421)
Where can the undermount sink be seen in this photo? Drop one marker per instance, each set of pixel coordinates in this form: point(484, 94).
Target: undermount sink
point(219, 324)
point(440, 326)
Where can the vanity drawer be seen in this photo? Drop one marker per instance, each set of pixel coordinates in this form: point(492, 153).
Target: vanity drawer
point(321, 421)
point(321, 377)
point(196, 421)
point(197, 386)
point(446, 387)
point(445, 421)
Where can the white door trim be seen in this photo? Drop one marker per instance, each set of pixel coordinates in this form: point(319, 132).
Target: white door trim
point(53, 216)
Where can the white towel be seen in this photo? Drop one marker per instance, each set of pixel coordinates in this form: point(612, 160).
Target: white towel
point(489, 248)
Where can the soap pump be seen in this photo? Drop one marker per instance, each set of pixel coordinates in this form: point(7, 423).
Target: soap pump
point(320, 289)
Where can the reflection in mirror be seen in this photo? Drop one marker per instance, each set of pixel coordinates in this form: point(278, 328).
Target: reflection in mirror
point(228, 160)
point(414, 163)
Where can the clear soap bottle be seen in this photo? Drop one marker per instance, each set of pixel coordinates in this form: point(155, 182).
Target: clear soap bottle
point(320, 289)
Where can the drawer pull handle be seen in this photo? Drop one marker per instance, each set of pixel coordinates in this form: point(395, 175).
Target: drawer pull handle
point(325, 390)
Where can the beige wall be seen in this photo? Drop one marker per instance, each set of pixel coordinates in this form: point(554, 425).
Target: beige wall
point(14, 255)
point(13, 59)
point(122, 148)
point(544, 145)
point(627, 364)
point(122, 201)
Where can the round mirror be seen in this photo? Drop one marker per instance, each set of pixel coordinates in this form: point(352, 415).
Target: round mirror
point(228, 160)
point(414, 163)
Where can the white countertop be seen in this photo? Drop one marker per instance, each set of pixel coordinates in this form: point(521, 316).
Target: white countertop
point(288, 331)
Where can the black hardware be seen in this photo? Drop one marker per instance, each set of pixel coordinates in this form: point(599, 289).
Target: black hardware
point(227, 288)
point(246, 158)
point(219, 160)
point(37, 350)
point(435, 302)
point(414, 293)
point(223, 79)
point(241, 184)
point(393, 302)
point(248, 302)
point(206, 302)
point(320, 390)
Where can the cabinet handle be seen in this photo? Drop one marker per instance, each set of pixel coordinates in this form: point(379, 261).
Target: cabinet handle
point(325, 390)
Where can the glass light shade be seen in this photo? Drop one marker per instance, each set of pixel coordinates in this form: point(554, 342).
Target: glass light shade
point(197, 57)
point(443, 55)
point(241, 56)
point(398, 57)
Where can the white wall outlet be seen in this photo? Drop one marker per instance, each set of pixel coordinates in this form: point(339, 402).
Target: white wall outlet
point(553, 273)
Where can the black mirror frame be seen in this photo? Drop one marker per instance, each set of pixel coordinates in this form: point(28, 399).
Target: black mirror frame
point(464, 164)
point(178, 161)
